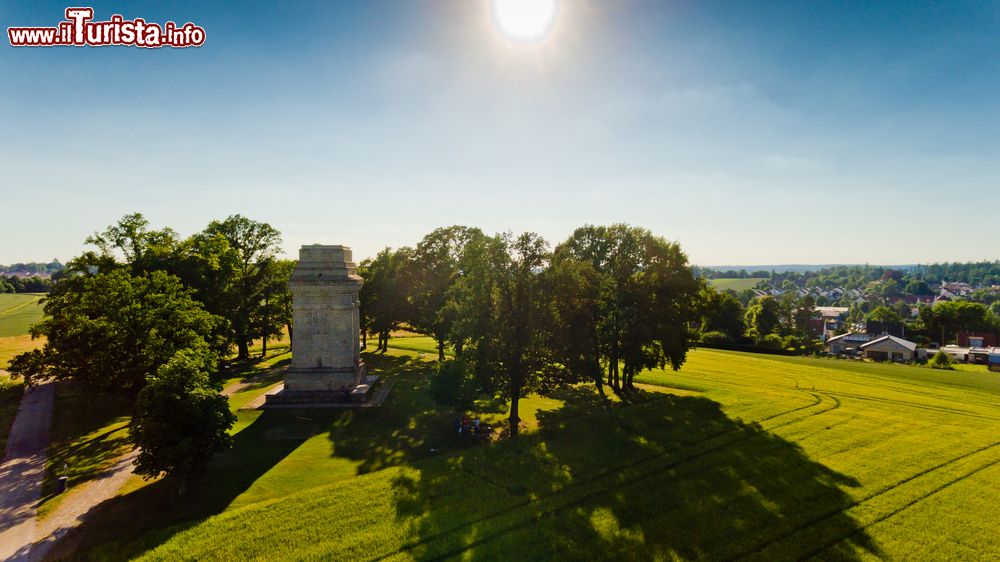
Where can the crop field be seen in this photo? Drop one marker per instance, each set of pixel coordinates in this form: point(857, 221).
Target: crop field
point(736, 456)
point(17, 313)
point(736, 284)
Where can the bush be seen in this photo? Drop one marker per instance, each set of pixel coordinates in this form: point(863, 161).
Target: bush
point(715, 338)
point(771, 341)
point(941, 360)
point(453, 384)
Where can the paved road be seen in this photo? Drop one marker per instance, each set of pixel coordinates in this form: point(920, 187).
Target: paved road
point(22, 472)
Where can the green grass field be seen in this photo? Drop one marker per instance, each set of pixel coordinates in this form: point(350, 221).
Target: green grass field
point(18, 312)
point(10, 398)
point(736, 456)
point(736, 284)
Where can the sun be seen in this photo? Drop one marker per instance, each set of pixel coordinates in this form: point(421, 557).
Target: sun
point(525, 20)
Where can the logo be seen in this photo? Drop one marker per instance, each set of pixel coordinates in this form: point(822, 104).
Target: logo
point(79, 30)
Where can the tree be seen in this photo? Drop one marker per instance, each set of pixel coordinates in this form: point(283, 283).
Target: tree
point(723, 313)
point(275, 311)
point(180, 418)
point(883, 314)
point(143, 250)
point(111, 330)
point(574, 289)
point(254, 245)
point(434, 270)
point(510, 317)
point(646, 298)
point(805, 310)
point(762, 318)
point(945, 319)
point(384, 294)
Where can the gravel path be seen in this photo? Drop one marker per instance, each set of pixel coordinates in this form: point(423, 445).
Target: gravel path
point(22, 472)
point(22, 536)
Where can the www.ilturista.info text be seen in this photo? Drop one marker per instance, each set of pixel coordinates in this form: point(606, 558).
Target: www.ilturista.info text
point(80, 30)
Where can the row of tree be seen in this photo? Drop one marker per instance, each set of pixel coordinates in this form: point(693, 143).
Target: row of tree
point(602, 306)
point(150, 315)
point(18, 284)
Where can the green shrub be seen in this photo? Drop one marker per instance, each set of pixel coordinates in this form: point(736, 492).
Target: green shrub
point(771, 341)
point(452, 384)
point(941, 360)
point(715, 337)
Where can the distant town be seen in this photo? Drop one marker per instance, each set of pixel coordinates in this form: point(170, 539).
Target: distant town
point(902, 313)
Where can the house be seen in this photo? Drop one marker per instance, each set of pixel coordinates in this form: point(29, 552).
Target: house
point(976, 339)
point(847, 344)
point(889, 348)
point(994, 359)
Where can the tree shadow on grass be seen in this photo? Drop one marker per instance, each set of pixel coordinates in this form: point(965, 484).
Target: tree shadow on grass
point(660, 477)
point(89, 432)
point(127, 525)
point(408, 427)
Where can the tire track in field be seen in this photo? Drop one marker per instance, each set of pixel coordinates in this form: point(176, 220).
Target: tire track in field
point(907, 404)
point(905, 386)
point(904, 507)
point(609, 489)
point(837, 511)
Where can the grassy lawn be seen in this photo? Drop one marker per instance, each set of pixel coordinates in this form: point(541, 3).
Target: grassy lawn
point(15, 345)
point(737, 284)
point(87, 434)
point(10, 398)
point(18, 312)
point(735, 456)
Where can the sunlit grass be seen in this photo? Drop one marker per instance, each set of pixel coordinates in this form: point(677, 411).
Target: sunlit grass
point(736, 455)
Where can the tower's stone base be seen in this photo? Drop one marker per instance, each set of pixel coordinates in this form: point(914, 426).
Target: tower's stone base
point(307, 386)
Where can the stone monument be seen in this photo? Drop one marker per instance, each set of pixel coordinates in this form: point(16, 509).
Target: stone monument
point(326, 348)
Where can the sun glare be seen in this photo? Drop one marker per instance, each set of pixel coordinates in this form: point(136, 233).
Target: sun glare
point(524, 20)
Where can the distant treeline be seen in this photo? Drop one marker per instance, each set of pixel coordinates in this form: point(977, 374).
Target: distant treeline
point(33, 277)
point(37, 268)
point(857, 276)
point(33, 284)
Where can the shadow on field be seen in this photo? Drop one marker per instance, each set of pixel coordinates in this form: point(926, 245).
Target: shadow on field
point(127, 525)
point(409, 427)
point(659, 476)
point(156, 512)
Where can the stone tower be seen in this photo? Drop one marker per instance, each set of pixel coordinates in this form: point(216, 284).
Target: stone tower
point(326, 355)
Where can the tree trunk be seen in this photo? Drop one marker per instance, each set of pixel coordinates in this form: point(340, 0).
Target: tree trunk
point(364, 339)
point(243, 347)
point(263, 346)
point(459, 345)
point(515, 419)
point(440, 349)
point(291, 340)
point(596, 373)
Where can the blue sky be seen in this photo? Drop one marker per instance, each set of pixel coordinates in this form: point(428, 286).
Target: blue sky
point(750, 132)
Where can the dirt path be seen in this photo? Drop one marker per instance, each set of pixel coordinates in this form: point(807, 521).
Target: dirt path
point(78, 503)
point(22, 536)
point(22, 472)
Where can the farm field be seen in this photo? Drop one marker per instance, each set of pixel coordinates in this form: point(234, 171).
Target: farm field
point(737, 456)
point(17, 313)
point(736, 284)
